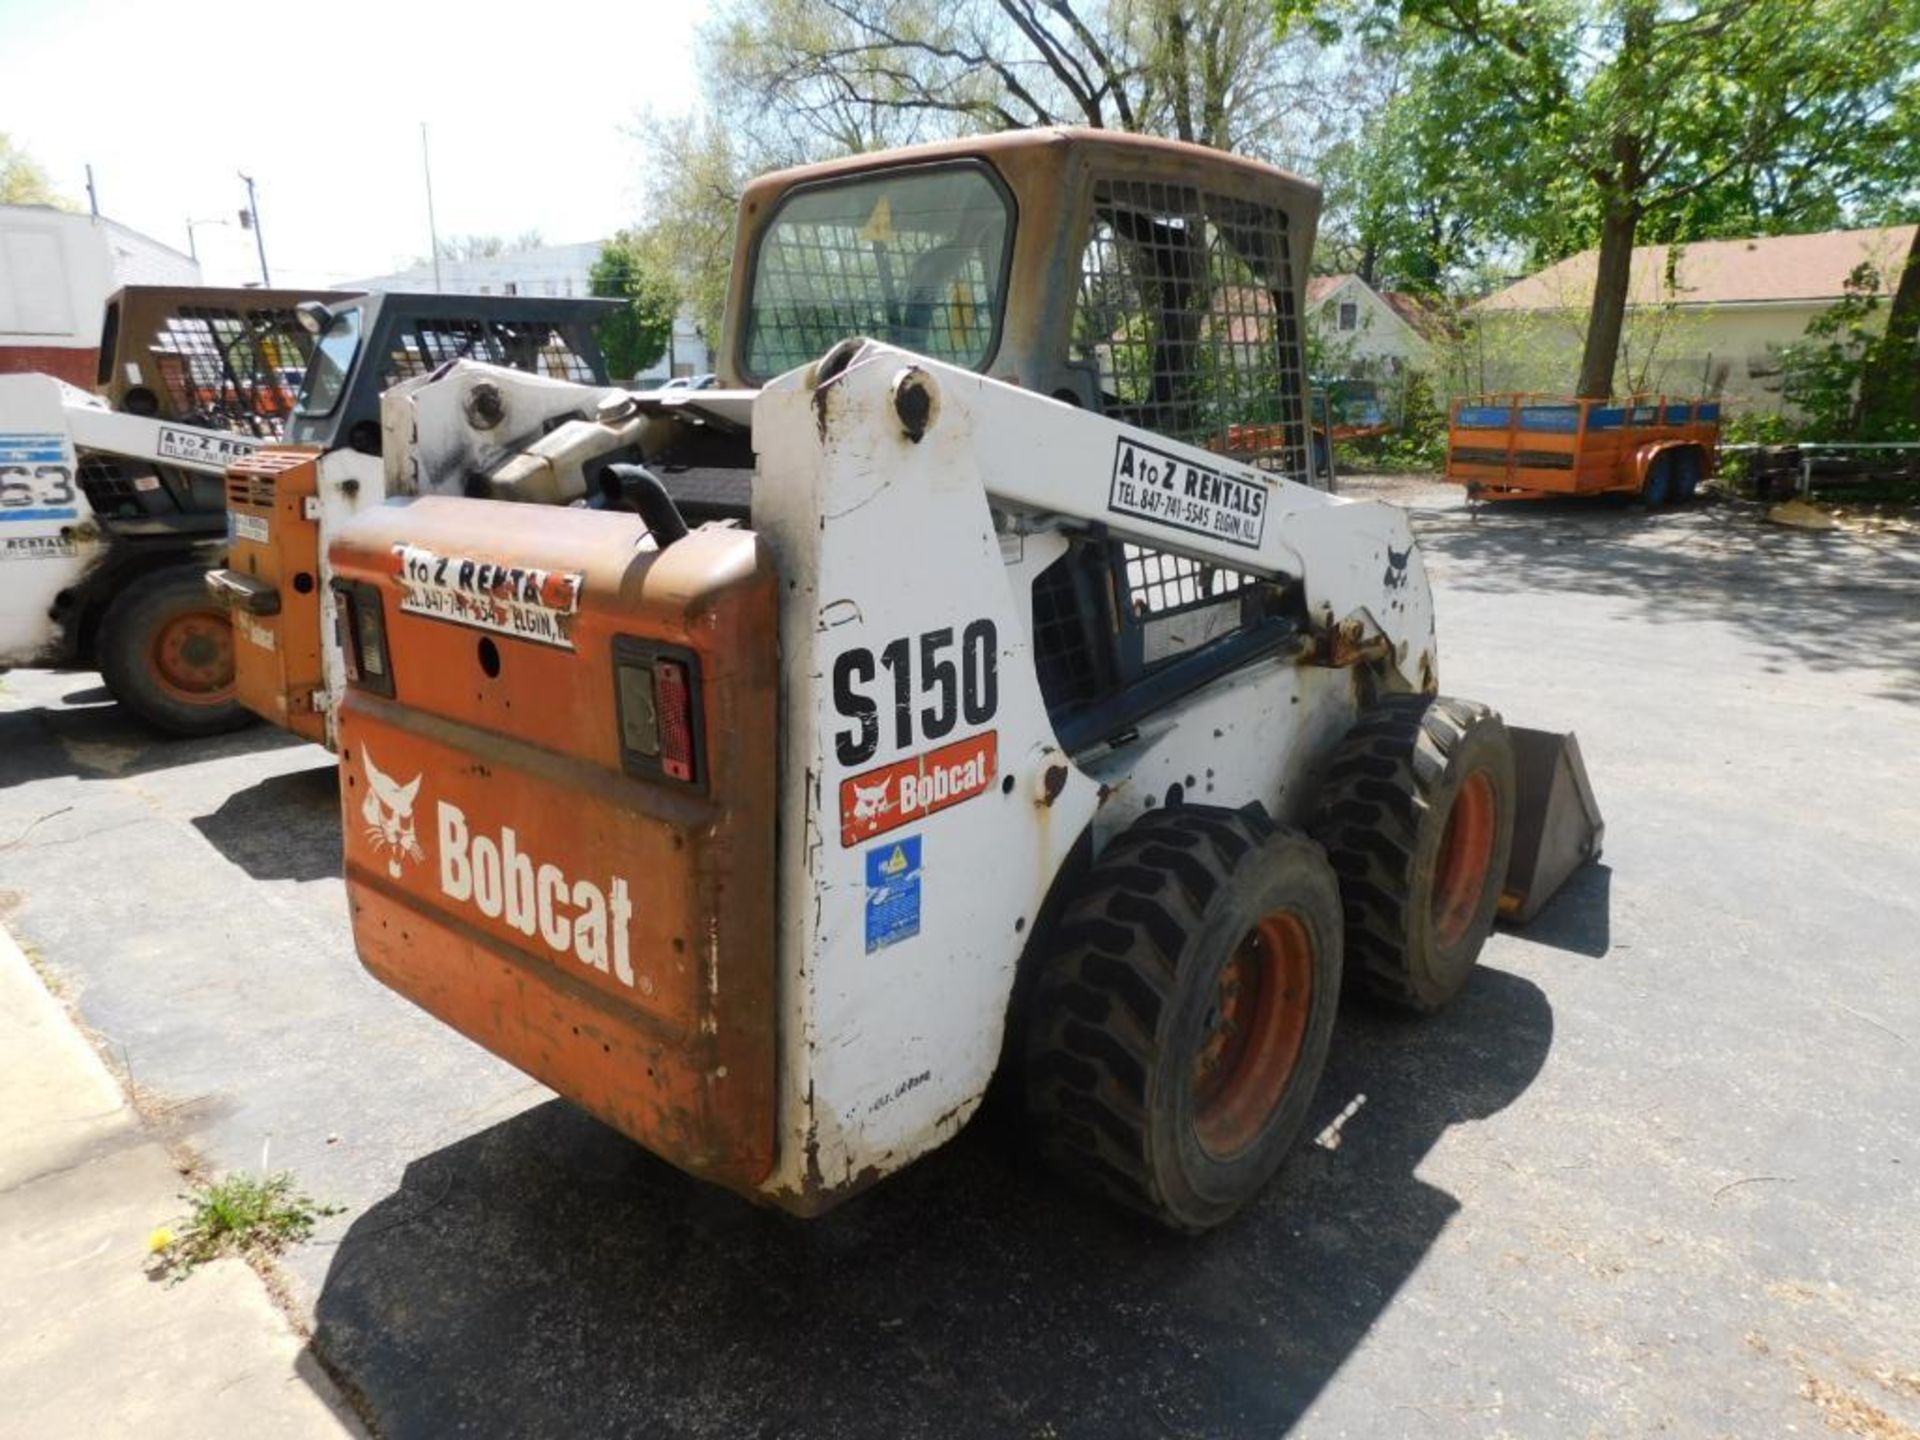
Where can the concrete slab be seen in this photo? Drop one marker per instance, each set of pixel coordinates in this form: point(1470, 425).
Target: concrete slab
point(93, 1345)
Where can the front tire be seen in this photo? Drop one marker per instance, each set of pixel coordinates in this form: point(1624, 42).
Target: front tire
point(1416, 813)
point(165, 650)
point(1180, 1026)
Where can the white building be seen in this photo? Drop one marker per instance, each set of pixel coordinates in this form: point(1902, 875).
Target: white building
point(1369, 333)
point(545, 270)
point(1712, 316)
point(57, 269)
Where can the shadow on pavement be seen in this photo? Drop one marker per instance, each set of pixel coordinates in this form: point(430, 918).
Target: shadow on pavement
point(545, 1276)
point(103, 742)
point(286, 827)
point(1579, 919)
point(1821, 601)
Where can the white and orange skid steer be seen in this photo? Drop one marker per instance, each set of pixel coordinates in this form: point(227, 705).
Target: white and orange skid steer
point(955, 699)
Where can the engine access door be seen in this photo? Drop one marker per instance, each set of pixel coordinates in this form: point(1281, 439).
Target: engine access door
point(557, 754)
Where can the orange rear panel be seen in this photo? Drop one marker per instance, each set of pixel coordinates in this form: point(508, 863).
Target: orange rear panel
point(272, 538)
point(515, 868)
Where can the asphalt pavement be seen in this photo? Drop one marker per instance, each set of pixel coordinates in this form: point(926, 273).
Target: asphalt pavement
point(1655, 1172)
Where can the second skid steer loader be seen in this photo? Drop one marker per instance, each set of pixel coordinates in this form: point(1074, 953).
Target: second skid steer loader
point(947, 710)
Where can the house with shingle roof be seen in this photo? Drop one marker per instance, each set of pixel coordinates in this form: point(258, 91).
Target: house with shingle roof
point(1711, 315)
point(1367, 332)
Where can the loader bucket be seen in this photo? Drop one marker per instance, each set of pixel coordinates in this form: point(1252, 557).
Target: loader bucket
point(1556, 823)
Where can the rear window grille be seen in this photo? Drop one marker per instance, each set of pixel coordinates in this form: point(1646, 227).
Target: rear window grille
point(109, 489)
point(1163, 584)
point(1068, 648)
point(230, 368)
point(424, 345)
point(1186, 313)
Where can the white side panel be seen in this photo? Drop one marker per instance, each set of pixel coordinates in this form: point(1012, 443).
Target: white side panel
point(894, 994)
point(349, 483)
point(47, 536)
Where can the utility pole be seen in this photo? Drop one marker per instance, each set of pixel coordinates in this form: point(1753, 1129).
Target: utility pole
point(433, 230)
point(250, 220)
point(93, 199)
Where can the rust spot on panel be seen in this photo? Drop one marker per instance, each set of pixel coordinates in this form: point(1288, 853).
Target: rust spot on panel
point(1052, 782)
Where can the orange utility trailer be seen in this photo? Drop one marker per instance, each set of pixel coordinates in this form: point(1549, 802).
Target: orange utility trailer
point(1529, 447)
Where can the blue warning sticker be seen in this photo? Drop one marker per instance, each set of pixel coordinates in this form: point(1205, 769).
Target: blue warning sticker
point(893, 892)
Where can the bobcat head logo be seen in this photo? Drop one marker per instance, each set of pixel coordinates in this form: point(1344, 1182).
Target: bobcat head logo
point(870, 800)
point(388, 811)
point(1396, 576)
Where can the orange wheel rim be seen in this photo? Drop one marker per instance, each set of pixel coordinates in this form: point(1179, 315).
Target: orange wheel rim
point(1256, 1029)
point(1466, 855)
point(192, 657)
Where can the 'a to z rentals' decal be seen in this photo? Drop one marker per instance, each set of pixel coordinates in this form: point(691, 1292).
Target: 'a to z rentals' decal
point(36, 479)
point(37, 547)
point(575, 919)
point(198, 447)
point(919, 786)
point(1165, 488)
point(515, 600)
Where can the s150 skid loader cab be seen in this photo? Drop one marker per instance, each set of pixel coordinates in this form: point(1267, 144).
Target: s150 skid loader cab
point(946, 706)
point(282, 501)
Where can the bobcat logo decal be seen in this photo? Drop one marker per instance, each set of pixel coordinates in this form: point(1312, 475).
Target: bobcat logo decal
point(870, 800)
point(388, 811)
point(1396, 576)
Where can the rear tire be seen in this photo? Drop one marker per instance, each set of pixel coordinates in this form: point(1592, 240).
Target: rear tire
point(1687, 466)
point(1179, 1027)
point(1658, 486)
point(1417, 816)
point(165, 650)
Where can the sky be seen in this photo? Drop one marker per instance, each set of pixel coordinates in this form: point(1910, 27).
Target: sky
point(530, 109)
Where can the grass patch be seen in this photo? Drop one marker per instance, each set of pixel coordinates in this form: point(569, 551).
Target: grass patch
point(243, 1215)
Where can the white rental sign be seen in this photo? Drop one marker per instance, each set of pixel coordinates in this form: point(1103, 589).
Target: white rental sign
point(1155, 485)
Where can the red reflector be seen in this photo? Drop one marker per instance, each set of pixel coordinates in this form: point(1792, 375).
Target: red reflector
point(673, 703)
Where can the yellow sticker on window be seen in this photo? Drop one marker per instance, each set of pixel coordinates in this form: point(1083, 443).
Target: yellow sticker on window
point(879, 226)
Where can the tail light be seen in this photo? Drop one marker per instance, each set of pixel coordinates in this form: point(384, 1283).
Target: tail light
point(361, 627)
point(660, 722)
point(675, 709)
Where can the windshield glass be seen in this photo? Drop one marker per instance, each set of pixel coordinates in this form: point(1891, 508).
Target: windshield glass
point(332, 361)
point(916, 259)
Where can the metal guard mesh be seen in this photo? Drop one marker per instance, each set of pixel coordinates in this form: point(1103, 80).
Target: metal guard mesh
point(1186, 311)
point(231, 368)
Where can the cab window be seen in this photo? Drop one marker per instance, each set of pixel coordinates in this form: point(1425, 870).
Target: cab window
point(916, 259)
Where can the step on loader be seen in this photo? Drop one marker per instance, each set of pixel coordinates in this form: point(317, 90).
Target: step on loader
point(112, 504)
point(954, 704)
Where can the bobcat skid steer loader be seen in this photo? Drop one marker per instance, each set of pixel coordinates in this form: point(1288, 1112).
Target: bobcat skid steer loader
point(923, 725)
point(112, 505)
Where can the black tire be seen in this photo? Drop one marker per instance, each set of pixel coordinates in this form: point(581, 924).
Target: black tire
point(1139, 1084)
point(160, 648)
point(1419, 882)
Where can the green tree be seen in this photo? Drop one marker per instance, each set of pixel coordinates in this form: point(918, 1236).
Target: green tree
point(22, 181)
point(697, 172)
point(832, 76)
point(1566, 123)
point(1853, 376)
point(637, 335)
